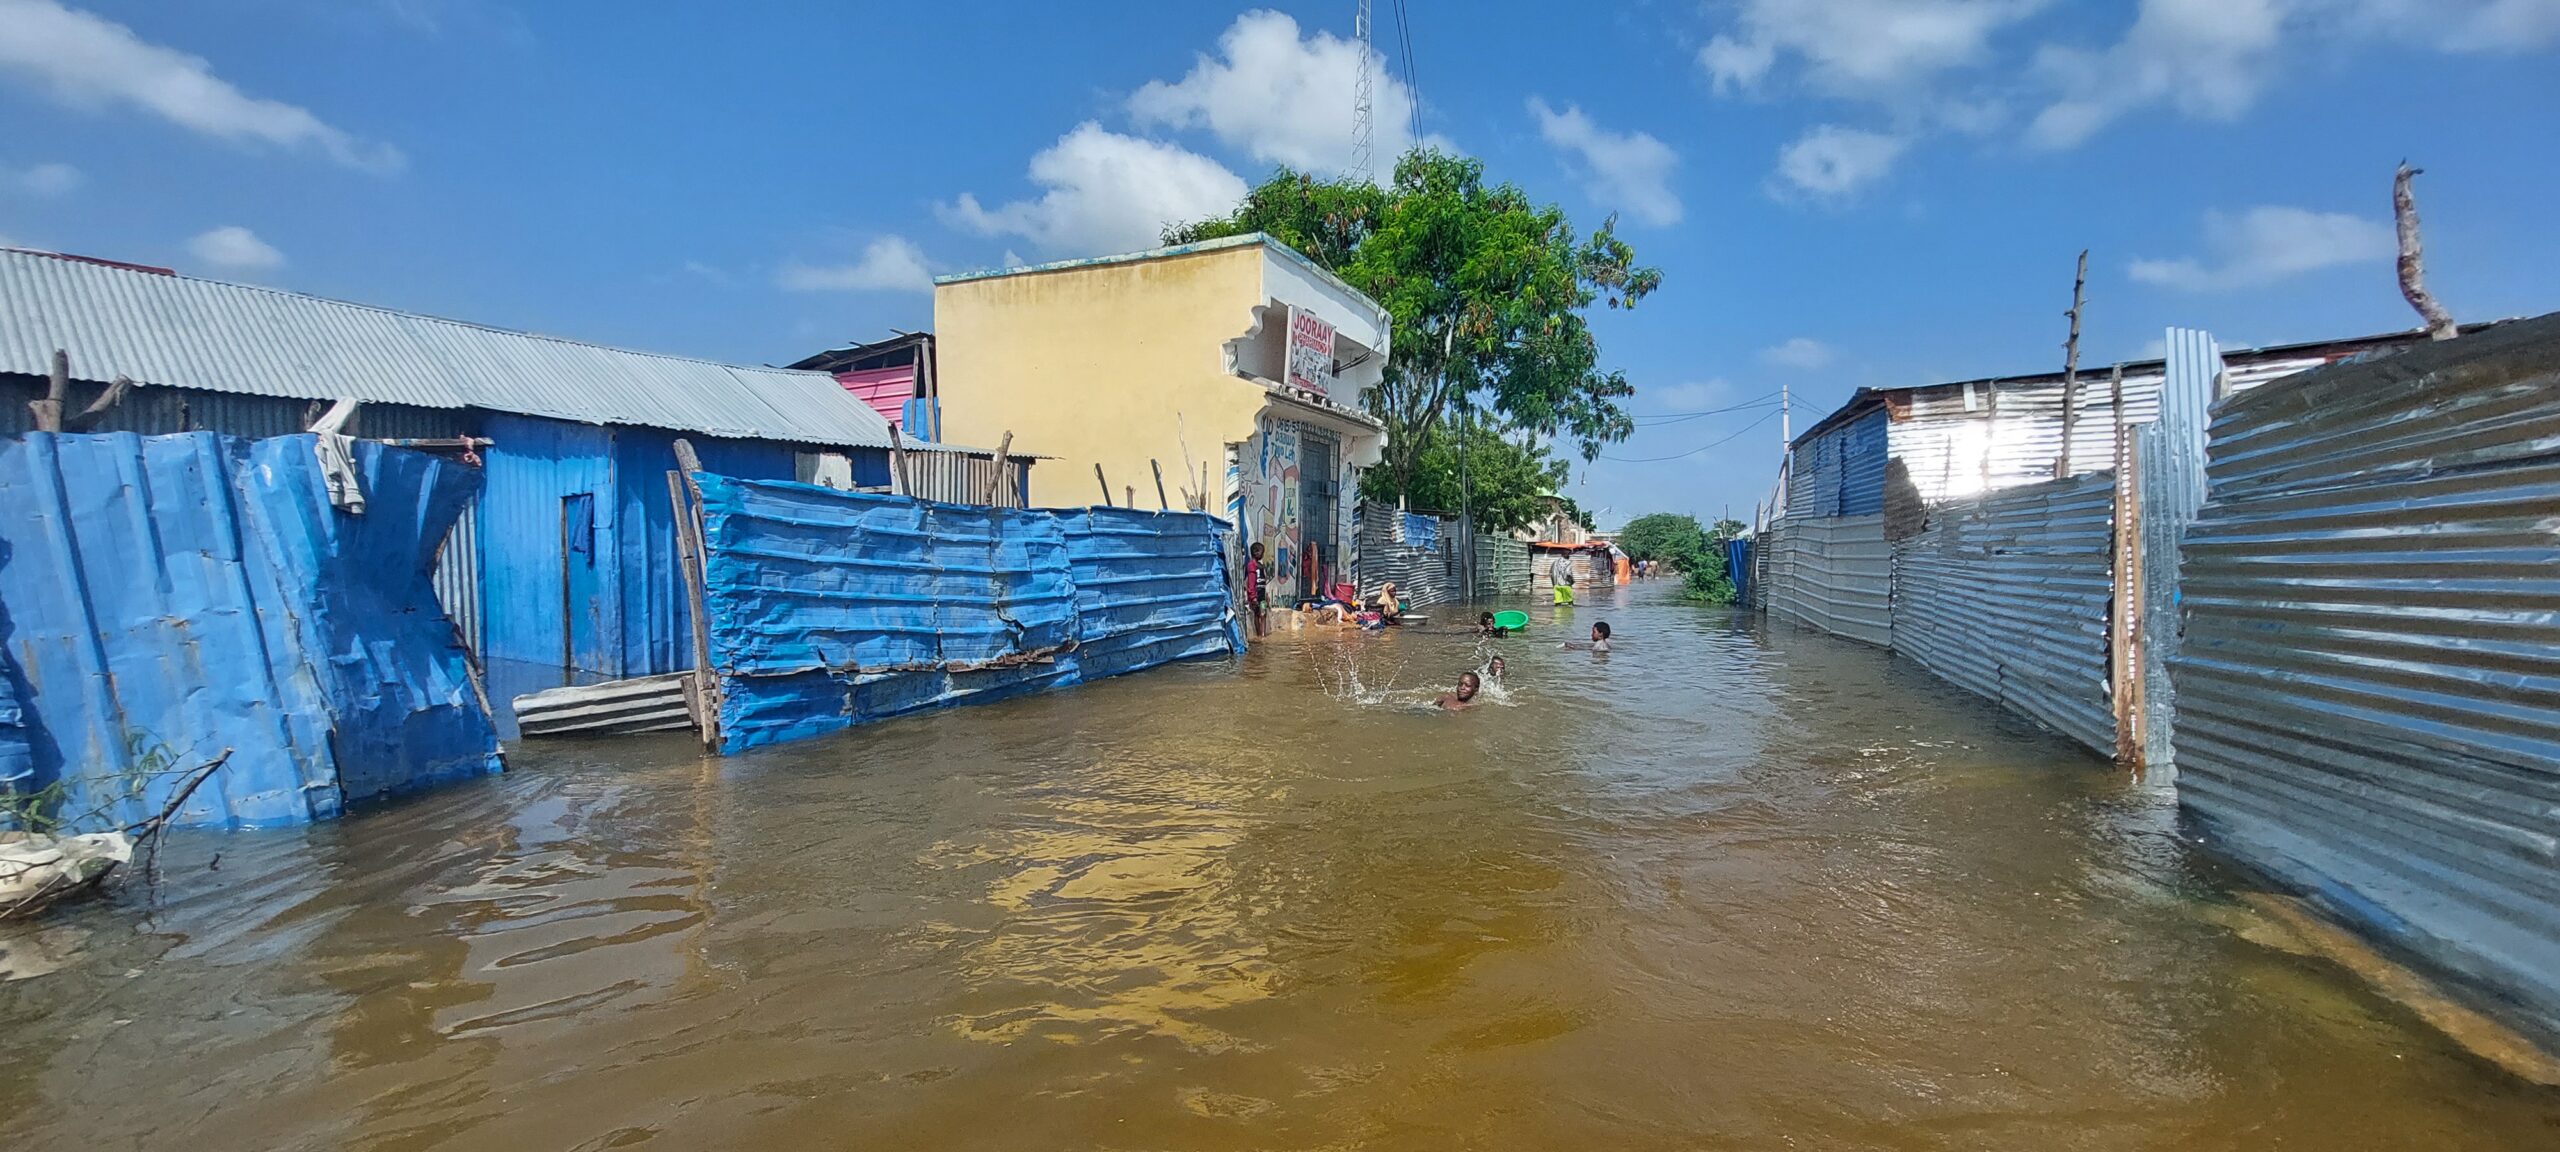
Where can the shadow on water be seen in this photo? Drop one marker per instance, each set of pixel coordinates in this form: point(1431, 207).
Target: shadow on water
point(1723, 886)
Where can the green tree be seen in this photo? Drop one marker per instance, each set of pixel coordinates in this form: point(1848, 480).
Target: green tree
point(1668, 536)
point(1486, 290)
point(1507, 483)
point(1704, 577)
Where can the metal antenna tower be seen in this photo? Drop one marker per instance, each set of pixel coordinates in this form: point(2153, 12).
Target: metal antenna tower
point(1362, 134)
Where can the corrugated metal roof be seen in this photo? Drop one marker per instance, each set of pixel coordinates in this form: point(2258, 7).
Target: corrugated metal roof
point(180, 331)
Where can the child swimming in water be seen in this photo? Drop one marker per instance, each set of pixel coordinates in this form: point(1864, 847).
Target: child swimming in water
point(1465, 697)
point(1599, 639)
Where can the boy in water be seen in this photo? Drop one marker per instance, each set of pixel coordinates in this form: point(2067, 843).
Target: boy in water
point(1484, 625)
point(1560, 574)
point(1465, 697)
point(1599, 638)
point(1493, 668)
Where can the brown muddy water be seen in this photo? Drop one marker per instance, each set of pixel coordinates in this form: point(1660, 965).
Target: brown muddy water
point(1723, 888)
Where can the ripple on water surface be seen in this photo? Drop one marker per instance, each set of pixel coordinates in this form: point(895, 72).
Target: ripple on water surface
point(1723, 886)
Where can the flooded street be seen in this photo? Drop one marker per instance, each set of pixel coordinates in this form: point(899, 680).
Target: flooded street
point(1721, 887)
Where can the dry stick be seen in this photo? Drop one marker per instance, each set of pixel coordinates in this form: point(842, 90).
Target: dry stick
point(149, 830)
point(898, 482)
point(1131, 497)
point(1106, 485)
point(1162, 504)
point(995, 483)
point(2413, 265)
point(2071, 369)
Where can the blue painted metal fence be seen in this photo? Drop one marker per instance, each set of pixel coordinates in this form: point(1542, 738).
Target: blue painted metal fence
point(830, 609)
point(168, 597)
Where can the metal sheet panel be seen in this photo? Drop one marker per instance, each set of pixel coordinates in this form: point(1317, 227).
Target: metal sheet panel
point(534, 467)
point(2170, 462)
point(2369, 690)
point(178, 331)
point(830, 608)
point(457, 577)
point(1422, 571)
point(1940, 445)
point(1150, 588)
point(1834, 575)
point(2007, 596)
point(1502, 567)
point(171, 597)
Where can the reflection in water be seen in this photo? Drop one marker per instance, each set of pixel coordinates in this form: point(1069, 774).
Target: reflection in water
point(1727, 887)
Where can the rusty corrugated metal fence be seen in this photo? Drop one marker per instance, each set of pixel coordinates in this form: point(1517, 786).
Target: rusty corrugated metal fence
point(2369, 691)
point(2008, 596)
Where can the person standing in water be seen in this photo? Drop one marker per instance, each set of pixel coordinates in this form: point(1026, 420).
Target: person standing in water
point(1560, 574)
point(1599, 638)
point(1465, 697)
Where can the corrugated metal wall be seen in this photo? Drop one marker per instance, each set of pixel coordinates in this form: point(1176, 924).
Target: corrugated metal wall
point(2008, 596)
point(2369, 691)
point(1834, 575)
point(1941, 443)
point(458, 576)
point(830, 609)
point(951, 477)
point(1502, 567)
point(1422, 574)
point(171, 597)
point(2169, 456)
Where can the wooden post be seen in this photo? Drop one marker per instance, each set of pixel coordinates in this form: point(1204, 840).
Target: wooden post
point(1106, 485)
point(995, 483)
point(2071, 369)
point(898, 481)
point(1132, 497)
point(692, 557)
point(2413, 265)
point(2115, 390)
point(1162, 504)
point(48, 411)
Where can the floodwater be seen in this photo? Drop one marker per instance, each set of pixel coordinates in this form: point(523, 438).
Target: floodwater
point(1721, 888)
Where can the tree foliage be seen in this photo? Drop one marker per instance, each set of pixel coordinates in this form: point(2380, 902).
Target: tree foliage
point(1486, 290)
point(1507, 481)
point(1671, 536)
point(1697, 553)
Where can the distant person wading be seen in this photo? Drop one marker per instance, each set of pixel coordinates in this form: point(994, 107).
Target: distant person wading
point(1560, 572)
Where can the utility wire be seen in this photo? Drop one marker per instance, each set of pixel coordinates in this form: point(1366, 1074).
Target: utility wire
point(1765, 417)
point(1675, 417)
point(1412, 85)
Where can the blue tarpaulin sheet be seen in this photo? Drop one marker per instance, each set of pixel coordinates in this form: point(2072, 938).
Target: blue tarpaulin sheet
point(830, 609)
point(169, 597)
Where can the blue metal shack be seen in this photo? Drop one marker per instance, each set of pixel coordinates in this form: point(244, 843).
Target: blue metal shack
point(564, 568)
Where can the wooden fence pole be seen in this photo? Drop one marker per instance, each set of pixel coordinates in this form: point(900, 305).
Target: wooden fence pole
point(1162, 504)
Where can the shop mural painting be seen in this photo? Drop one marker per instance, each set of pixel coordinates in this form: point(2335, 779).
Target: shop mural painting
point(1272, 511)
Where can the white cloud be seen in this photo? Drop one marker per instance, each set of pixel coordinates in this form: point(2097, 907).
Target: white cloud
point(889, 264)
point(1801, 352)
point(1858, 47)
point(88, 61)
point(235, 248)
point(41, 179)
point(1832, 162)
point(1629, 171)
point(1686, 396)
point(2268, 244)
point(1283, 98)
point(2206, 58)
point(2482, 26)
point(1104, 193)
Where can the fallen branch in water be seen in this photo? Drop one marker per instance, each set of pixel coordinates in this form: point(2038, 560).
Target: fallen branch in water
point(71, 865)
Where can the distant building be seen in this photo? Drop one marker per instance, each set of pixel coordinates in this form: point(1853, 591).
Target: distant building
point(565, 567)
point(895, 377)
point(1235, 358)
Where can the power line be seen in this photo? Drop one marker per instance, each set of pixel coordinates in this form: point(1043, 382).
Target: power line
point(1764, 418)
point(1676, 417)
point(1412, 84)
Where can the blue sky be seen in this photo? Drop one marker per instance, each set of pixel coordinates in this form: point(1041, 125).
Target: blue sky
point(1839, 192)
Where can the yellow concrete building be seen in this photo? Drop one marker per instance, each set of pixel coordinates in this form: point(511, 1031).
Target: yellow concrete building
point(1238, 358)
